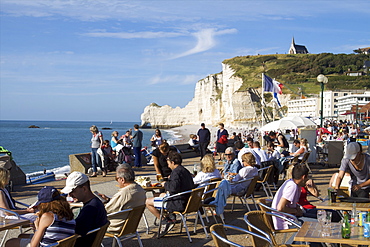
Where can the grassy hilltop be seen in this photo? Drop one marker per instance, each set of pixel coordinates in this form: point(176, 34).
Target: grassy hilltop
point(299, 71)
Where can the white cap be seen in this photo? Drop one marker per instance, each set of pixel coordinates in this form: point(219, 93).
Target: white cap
point(74, 179)
point(352, 150)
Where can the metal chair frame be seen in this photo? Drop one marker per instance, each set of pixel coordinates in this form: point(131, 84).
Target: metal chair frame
point(211, 191)
point(7, 231)
point(129, 227)
point(66, 242)
point(271, 233)
point(220, 238)
point(263, 181)
point(193, 205)
point(248, 193)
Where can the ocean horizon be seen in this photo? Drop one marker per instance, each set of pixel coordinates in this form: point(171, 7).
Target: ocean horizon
point(49, 146)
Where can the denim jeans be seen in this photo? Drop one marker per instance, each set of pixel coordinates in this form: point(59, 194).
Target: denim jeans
point(137, 153)
point(95, 159)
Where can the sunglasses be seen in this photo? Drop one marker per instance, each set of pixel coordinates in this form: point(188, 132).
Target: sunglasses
point(228, 154)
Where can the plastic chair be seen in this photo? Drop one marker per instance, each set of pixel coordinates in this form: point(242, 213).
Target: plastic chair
point(259, 223)
point(263, 181)
point(247, 194)
point(193, 205)
point(67, 242)
point(220, 238)
point(100, 232)
point(129, 226)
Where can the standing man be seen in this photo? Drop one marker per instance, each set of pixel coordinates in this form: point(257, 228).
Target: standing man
point(130, 195)
point(92, 214)
point(204, 139)
point(137, 138)
point(282, 143)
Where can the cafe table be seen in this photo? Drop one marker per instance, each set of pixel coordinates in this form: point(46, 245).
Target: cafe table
point(312, 232)
point(343, 205)
point(11, 223)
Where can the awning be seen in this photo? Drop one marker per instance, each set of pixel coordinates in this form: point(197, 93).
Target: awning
point(348, 113)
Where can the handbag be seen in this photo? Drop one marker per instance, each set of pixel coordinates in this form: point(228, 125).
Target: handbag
point(223, 139)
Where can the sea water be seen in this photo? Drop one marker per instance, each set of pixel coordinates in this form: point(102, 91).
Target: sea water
point(49, 146)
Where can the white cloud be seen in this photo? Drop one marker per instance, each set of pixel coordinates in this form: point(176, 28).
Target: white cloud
point(136, 35)
point(205, 40)
point(175, 79)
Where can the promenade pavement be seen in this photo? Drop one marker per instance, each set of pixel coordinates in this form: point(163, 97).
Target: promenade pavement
point(107, 185)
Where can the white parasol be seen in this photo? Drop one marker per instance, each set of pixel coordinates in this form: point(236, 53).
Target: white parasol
point(305, 122)
point(281, 125)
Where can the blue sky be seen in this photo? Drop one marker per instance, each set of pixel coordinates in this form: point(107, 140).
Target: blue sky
point(102, 60)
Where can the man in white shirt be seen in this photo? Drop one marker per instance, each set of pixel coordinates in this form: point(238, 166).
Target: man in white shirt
point(239, 145)
point(259, 151)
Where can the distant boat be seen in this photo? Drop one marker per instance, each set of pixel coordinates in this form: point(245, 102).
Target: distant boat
point(47, 177)
point(111, 121)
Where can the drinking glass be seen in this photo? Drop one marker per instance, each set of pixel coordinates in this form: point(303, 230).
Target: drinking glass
point(327, 221)
point(321, 215)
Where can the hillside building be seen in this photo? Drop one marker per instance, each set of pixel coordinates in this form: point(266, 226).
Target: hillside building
point(346, 104)
point(304, 107)
point(337, 104)
point(297, 49)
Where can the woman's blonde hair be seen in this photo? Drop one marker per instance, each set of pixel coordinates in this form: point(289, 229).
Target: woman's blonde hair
point(249, 159)
point(114, 132)
point(94, 129)
point(4, 177)
point(207, 164)
point(304, 142)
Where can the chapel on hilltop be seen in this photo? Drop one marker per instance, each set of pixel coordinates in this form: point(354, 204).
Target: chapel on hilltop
point(297, 49)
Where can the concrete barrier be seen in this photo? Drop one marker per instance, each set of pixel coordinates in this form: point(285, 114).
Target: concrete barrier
point(80, 162)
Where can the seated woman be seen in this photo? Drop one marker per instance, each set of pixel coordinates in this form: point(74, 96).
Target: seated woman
point(6, 200)
point(208, 170)
point(156, 139)
point(114, 140)
point(193, 142)
point(302, 148)
point(310, 210)
point(54, 222)
point(248, 171)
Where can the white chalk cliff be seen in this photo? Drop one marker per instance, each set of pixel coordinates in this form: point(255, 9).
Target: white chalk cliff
point(216, 99)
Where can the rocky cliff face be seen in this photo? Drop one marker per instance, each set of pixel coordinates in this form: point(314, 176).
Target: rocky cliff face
point(216, 99)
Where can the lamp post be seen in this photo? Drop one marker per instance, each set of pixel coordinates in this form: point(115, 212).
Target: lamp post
point(322, 79)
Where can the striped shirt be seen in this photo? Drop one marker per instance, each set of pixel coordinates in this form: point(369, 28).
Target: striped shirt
point(58, 230)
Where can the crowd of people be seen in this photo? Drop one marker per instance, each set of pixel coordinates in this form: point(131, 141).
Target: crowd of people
point(53, 219)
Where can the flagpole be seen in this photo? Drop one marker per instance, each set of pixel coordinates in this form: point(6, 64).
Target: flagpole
point(263, 100)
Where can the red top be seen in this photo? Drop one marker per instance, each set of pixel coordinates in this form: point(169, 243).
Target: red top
point(303, 199)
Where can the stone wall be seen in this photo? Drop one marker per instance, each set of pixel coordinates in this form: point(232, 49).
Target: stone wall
point(216, 99)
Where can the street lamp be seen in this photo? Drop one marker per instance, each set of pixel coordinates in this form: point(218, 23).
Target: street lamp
point(322, 79)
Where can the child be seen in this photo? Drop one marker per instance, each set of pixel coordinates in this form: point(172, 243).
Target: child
point(109, 164)
point(54, 221)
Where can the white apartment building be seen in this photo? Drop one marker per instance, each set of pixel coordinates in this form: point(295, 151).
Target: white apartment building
point(311, 107)
point(304, 107)
point(330, 109)
point(345, 103)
